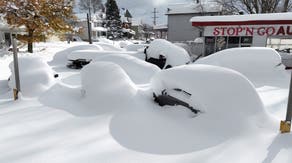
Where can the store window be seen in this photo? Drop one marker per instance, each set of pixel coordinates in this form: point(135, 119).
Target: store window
point(221, 43)
point(279, 43)
point(246, 41)
point(233, 42)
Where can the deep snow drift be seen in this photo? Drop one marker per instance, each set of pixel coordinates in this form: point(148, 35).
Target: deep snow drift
point(260, 65)
point(36, 76)
point(106, 113)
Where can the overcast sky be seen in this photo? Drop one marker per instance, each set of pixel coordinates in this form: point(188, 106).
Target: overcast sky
point(142, 9)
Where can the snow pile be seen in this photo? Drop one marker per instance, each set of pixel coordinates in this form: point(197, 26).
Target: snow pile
point(139, 71)
point(258, 64)
point(60, 58)
point(125, 43)
point(36, 76)
point(105, 40)
point(108, 46)
point(136, 47)
point(211, 88)
point(106, 84)
point(174, 54)
point(85, 54)
point(215, 90)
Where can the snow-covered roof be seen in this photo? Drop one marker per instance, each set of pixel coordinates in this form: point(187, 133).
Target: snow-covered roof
point(271, 18)
point(190, 8)
point(163, 26)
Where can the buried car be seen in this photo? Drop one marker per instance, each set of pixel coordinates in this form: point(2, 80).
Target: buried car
point(36, 76)
point(165, 54)
point(208, 89)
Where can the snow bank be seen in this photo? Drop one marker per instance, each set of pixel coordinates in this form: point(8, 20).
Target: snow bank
point(60, 58)
point(136, 47)
point(108, 46)
point(93, 54)
point(139, 71)
point(36, 76)
point(125, 43)
point(258, 64)
point(106, 84)
point(174, 54)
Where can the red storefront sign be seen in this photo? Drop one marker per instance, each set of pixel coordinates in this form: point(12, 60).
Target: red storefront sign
point(251, 31)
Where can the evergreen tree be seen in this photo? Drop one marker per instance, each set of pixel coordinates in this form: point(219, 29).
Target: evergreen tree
point(95, 5)
point(113, 19)
point(39, 17)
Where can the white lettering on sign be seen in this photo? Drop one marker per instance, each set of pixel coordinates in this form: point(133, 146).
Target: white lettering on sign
point(250, 31)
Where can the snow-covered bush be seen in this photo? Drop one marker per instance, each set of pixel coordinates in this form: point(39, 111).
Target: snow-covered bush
point(36, 75)
point(138, 70)
point(107, 84)
point(258, 64)
point(174, 54)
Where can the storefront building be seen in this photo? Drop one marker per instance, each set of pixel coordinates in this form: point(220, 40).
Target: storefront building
point(257, 30)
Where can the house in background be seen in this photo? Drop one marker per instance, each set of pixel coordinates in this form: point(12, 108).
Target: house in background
point(97, 29)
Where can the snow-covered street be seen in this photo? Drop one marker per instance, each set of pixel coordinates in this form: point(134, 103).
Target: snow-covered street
point(105, 111)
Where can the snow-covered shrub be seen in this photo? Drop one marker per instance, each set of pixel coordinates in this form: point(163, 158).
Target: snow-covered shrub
point(106, 83)
point(174, 54)
point(36, 75)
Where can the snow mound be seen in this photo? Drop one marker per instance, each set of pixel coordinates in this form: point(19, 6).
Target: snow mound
point(85, 54)
point(105, 40)
point(106, 84)
point(125, 43)
point(36, 76)
point(136, 47)
point(139, 71)
point(258, 64)
point(230, 104)
point(108, 46)
point(217, 91)
point(60, 58)
point(174, 54)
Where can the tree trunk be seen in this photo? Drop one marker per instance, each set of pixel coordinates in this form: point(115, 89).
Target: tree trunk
point(30, 41)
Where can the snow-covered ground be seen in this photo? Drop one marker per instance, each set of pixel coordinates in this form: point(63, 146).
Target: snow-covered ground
point(105, 112)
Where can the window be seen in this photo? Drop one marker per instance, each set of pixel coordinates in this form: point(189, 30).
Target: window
point(233, 42)
point(221, 43)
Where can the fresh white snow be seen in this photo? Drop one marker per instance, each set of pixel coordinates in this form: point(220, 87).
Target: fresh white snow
point(105, 112)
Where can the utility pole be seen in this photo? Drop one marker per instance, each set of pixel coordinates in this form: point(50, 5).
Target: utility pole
point(285, 126)
point(16, 70)
point(89, 23)
point(154, 16)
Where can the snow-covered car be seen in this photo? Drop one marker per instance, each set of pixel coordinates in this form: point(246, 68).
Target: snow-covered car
point(207, 88)
point(35, 75)
point(286, 56)
point(165, 54)
point(260, 65)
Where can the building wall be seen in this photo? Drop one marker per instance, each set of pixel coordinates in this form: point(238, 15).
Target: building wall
point(180, 28)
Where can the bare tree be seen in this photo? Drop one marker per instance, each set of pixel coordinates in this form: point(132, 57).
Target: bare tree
point(94, 4)
point(255, 6)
